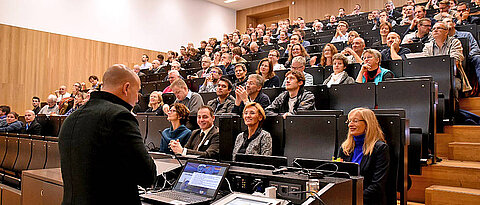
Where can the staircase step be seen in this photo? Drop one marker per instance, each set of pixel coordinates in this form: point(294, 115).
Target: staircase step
point(464, 151)
point(447, 173)
point(470, 103)
point(456, 133)
point(438, 194)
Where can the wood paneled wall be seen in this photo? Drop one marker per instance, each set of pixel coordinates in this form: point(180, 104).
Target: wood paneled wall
point(36, 63)
point(310, 9)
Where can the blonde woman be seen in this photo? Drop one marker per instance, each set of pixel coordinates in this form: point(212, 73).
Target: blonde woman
point(365, 145)
point(156, 103)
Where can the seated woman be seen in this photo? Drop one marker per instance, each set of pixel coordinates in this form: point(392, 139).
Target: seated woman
point(352, 35)
point(77, 102)
point(265, 69)
point(11, 124)
point(339, 76)
point(178, 116)
point(156, 103)
point(366, 146)
point(371, 70)
point(296, 50)
point(385, 29)
point(255, 140)
point(327, 55)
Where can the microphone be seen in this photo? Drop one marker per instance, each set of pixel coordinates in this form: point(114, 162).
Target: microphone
point(178, 160)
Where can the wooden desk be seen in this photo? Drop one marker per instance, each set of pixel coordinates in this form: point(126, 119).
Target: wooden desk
point(42, 186)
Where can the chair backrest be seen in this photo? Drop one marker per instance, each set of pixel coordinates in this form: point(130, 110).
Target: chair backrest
point(39, 154)
point(274, 125)
point(168, 98)
point(208, 96)
point(53, 155)
point(229, 129)
point(3, 146)
point(142, 124)
point(24, 154)
point(149, 87)
point(348, 96)
point(272, 93)
point(396, 66)
point(156, 124)
point(12, 153)
point(318, 138)
point(321, 96)
point(317, 73)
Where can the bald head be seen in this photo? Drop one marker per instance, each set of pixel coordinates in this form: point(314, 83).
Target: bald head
point(122, 82)
point(29, 116)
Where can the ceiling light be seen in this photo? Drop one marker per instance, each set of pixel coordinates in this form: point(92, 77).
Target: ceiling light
point(229, 1)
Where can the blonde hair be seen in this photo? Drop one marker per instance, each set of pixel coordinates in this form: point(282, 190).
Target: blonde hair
point(373, 132)
point(259, 108)
point(160, 99)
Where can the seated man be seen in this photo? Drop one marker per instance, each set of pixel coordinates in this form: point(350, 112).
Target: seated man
point(4, 110)
point(51, 107)
point(298, 63)
point(31, 127)
point(422, 34)
point(463, 15)
point(192, 100)
point(354, 54)
point(394, 50)
point(173, 75)
point(204, 141)
point(224, 102)
point(253, 90)
point(11, 124)
point(211, 81)
point(206, 62)
point(226, 64)
point(62, 93)
point(295, 98)
point(136, 69)
point(36, 104)
point(254, 48)
point(341, 34)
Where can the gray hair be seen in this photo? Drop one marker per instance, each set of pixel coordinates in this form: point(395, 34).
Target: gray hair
point(174, 72)
point(299, 59)
point(258, 78)
point(52, 98)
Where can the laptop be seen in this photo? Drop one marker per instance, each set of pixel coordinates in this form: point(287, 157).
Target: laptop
point(198, 182)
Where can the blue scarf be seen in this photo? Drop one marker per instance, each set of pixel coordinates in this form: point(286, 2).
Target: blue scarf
point(358, 150)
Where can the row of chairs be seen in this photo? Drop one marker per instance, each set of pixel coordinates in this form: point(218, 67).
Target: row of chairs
point(20, 152)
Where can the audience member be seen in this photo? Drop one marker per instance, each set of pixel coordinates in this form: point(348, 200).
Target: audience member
point(226, 64)
point(352, 35)
point(96, 84)
point(273, 56)
point(354, 54)
point(185, 96)
point(76, 89)
point(172, 76)
point(445, 11)
point(254, 48)
point(318, 27)
point(62, 93)
point(266, 40)
point(442, 44)
point(409, 15)
point(175, 65)
point(145, 64)
point(203, 142)
point(385, 29)
point(371, 70)
point(155, 104)
point(432, 4)
point(206, 62)
point(301, 37)
point(294, 98)
point(177, 115)
point(382, 18)
point(211, 81)
point(341, 34)
point(35, 104)
point(254, 140)
point(136, 69)
point(410, 2)
point(327, 53)
point(394, 50)
point(224, 102)
point(77, 102)
point(366, 146)
point(332, 22)
point(356, 9)
point(341, 13)
point(283, 37)
point(463, 15)
point(297, 51)
point(299, 64)
point(391, 12)
point(4, 110)
point(265, 69)
point(31, 126)
point(11, 124)
point(422, 34)
point(253, 90)
point(240, 75)
point(51, 108)
point(339, 76)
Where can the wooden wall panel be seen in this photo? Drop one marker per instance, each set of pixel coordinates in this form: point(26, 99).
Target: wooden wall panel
point(36, 63)
point(311, 9)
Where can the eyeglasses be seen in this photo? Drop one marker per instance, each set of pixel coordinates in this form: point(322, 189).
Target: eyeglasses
point(438, 28)
point(354, 121)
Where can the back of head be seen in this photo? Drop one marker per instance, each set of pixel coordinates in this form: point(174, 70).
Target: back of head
point(117, 75)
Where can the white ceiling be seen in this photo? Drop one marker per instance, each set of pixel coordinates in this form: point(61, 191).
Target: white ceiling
point(242, 4)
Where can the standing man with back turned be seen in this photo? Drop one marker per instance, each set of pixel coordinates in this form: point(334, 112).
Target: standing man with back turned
point(103, 158)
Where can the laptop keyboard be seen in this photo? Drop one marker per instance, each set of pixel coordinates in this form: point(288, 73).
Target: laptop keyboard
point(180, 196)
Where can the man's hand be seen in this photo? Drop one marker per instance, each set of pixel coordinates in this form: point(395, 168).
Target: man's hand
point(241, 93)
point(175, 146)
point(348, 51)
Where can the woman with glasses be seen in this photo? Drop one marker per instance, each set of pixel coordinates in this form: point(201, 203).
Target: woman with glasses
point(273, 56)
point(371, 70)
point(177, 115)
point(265, 69)
point(255, 140)
point(296, 50)
point(366, 146)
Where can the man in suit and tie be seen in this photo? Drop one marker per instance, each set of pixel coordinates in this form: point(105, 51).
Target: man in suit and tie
point(31, 126)
point(204, 141)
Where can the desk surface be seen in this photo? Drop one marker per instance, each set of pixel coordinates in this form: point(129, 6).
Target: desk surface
point(49, 175)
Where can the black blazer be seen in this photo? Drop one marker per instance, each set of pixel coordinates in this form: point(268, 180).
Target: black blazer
point(210, 146)
point(34, 129)
point(374, 169)
point(103, 157)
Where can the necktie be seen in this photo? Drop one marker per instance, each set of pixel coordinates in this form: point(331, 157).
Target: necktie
point(202, 135)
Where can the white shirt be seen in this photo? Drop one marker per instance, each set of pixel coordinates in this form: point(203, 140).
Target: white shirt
point(335, 79)
point(60, 96)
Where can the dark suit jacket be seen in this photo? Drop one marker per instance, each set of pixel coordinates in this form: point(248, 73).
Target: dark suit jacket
point(103, 157)
point(374, 169)
point(34, 129)
point(210, 146)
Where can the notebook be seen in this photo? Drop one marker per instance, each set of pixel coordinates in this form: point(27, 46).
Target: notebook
point(198, 182)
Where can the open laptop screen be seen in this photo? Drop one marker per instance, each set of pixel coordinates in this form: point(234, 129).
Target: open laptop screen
point(200, 178)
